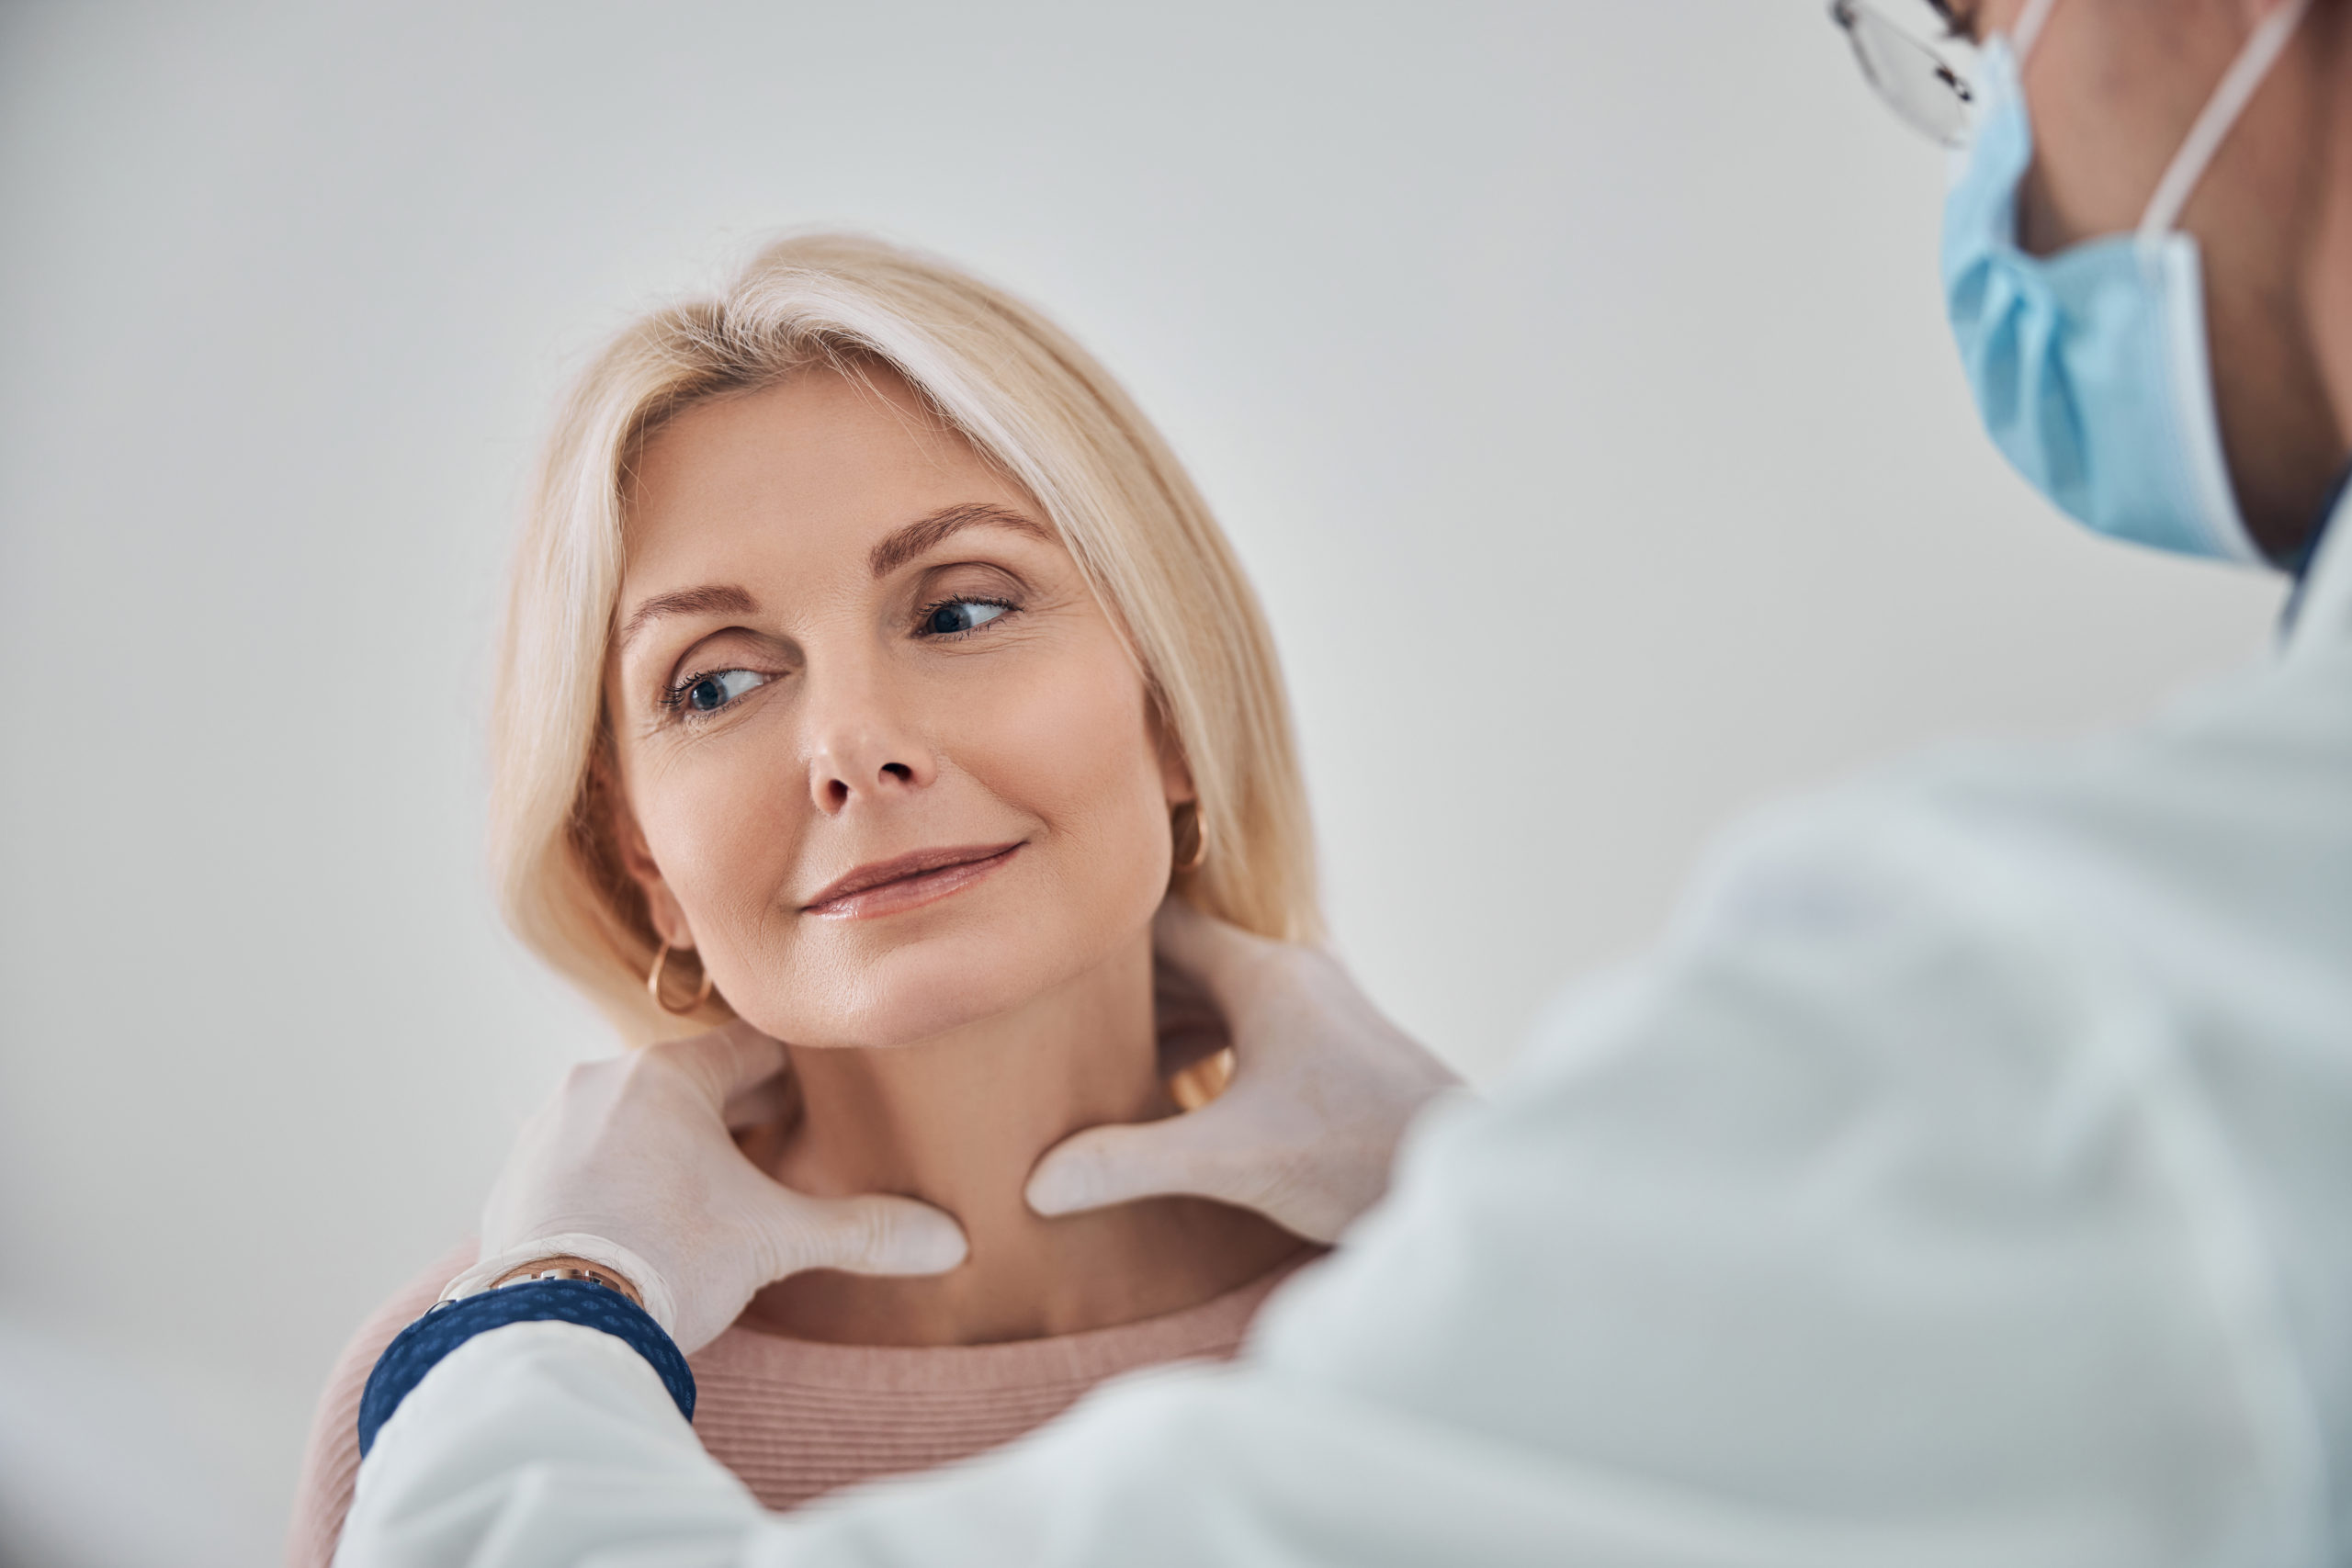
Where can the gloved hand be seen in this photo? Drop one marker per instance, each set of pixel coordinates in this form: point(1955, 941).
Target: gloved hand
point(1323, 1087)
point(631, 1167)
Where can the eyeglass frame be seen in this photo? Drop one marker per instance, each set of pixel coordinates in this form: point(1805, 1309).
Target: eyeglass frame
point(1850, 16)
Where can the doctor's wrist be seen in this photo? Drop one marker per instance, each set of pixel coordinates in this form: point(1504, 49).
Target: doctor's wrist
point(625, 1271)
point(529, 1305)
point(566, 1266)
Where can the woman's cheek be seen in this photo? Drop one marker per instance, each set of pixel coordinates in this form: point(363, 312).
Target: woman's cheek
point(1080, 758)
point(1071, 751)
point(726, 836)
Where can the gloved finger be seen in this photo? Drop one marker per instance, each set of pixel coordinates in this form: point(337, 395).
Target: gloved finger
point(871, 1235)
point(1225, 959)
point(1193, 1157)
point(1102, 1166)
point(1185, 1020)
point(767, 1103)
point(726, 1061)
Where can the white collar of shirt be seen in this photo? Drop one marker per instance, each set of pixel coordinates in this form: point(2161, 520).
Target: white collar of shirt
point(2324, 617)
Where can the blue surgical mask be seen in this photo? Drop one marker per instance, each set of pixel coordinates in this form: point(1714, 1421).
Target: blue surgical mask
point(2089, 366)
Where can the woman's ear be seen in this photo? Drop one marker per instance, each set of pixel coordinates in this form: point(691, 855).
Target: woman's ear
point(637, 859)
point(1175, 774)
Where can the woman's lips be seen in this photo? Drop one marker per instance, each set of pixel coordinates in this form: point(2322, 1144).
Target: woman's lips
point(887, 886)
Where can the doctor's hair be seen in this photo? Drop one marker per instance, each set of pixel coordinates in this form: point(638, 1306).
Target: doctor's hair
point(1030, 402)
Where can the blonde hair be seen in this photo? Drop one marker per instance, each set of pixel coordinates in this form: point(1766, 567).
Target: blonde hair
point(1029, 401)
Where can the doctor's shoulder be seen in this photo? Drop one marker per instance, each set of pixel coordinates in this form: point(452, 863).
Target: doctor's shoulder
point(2138, 867)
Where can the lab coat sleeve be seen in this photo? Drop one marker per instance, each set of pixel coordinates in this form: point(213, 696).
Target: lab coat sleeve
point(1904, 1209)
point(542, 1442)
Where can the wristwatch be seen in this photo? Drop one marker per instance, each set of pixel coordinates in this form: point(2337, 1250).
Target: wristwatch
point(569, 1269)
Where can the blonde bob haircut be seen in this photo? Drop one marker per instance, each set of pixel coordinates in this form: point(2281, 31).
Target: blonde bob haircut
point(1030, 402)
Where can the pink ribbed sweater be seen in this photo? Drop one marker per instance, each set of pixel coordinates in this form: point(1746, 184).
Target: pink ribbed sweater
point(796, 1420)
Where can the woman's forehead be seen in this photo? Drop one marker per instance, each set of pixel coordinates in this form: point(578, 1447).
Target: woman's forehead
point(823, 465)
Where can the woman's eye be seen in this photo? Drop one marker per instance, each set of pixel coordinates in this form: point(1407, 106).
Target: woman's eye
point(960, 616)
point(708, 694)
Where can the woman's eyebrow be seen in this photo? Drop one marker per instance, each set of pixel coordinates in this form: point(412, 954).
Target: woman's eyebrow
point(725, 600)
point(905, 544)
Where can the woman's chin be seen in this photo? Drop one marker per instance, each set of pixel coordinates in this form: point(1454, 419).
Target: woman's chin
point(857, 988)
point(917, 998)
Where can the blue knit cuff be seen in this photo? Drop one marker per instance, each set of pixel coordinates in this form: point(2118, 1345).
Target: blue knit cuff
point(421, 1345)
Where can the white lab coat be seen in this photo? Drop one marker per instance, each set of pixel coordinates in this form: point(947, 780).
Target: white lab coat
point(1967, 1180)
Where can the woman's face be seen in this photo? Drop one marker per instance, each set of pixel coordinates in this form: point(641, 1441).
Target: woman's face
point(885, 764)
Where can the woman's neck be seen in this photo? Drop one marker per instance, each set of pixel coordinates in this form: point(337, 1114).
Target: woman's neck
point(959, 1121)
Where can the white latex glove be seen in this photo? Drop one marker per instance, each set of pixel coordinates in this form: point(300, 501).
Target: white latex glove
point(631, 1166)
point(1323, 1088)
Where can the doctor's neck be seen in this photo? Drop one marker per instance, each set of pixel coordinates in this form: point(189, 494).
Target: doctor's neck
point(959, 1121)
point(2331, 265)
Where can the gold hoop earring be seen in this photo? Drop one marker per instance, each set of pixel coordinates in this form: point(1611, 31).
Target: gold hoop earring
point(653, 986)
point(1190, 814)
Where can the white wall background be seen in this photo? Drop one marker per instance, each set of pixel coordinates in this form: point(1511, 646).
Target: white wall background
point(1571, 376)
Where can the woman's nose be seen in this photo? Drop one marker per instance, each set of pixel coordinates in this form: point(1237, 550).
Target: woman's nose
point(861, 748)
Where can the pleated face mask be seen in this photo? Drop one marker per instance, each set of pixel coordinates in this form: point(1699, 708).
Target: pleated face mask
point(2089, 366)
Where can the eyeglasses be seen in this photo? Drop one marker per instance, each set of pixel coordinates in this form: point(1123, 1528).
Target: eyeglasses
point(1922, 87)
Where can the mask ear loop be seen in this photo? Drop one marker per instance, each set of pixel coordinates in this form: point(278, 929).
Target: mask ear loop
point(2028, 31)
point(2237, 88)
point(2209, 466)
